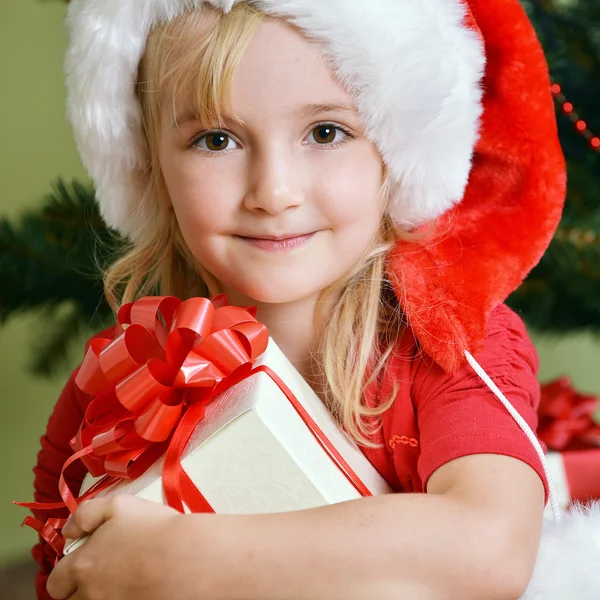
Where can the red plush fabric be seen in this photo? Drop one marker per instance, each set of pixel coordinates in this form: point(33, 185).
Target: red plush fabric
point(62, 426)
point(482, 250)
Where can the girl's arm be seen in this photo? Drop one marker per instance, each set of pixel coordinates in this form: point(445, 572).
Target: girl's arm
point(62, 426)
point(474, 535)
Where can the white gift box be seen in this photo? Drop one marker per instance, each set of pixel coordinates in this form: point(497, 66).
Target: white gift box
point(253, 453)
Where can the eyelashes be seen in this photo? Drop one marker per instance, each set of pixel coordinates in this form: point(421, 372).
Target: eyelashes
point(212, 141)
point(327, 135)
point(325, 130)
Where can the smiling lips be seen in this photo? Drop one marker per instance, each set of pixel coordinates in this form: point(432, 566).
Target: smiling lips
point(278, 244)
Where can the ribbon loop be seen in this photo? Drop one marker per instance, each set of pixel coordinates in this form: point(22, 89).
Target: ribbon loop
point(167, 361)
point(165, 347)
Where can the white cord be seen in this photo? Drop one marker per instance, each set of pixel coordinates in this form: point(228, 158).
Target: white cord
point(524, 426)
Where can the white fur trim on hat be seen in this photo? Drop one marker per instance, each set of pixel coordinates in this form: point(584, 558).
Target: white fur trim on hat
point(413, 67)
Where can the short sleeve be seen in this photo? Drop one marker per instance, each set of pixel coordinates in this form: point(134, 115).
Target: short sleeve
point(458, 415)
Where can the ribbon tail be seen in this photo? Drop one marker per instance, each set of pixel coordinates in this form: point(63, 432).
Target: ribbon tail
point(40, 505)
point(177, 485)
point(70, 501)
point(318, 433)
point(49, 532)
point(173, 473)
point(192, 496)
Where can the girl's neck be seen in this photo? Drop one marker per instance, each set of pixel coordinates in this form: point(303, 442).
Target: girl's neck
point(295, 327)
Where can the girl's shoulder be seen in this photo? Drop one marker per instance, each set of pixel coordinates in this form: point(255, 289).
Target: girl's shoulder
point(450, 415)
point(505, 351)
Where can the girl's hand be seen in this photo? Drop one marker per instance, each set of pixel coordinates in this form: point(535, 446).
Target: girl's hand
point(137, 550)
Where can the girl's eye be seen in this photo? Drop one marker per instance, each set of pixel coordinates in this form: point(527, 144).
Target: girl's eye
point(328, 134)
point(215, 141)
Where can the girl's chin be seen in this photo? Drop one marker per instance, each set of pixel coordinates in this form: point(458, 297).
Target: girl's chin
point(273, 297)
point(271, 293)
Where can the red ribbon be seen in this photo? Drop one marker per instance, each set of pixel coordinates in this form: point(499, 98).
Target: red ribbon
point(167, 356)
point(150, 388)
point(566, 418)
point(49, 531)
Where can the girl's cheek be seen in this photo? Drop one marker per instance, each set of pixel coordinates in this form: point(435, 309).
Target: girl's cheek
point(205, 201)
point(350, 195)
point(353, 171)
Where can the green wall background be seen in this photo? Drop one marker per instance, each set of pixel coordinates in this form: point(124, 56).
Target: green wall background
point(36, 146)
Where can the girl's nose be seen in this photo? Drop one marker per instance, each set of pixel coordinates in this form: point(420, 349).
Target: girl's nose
point(275, 184)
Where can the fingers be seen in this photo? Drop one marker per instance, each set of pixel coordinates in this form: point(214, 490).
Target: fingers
point(77, 568)
point(61, 583)
point(71, 531)
point(89, 516)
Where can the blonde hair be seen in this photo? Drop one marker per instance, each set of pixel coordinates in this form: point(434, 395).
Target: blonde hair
point(363, 327)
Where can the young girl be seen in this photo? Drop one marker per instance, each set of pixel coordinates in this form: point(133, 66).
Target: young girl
point(376, 177)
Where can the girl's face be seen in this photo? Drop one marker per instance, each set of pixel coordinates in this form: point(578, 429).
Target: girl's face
point(281, 207)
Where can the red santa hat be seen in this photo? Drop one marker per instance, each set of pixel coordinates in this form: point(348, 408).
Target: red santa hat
point(456, 96)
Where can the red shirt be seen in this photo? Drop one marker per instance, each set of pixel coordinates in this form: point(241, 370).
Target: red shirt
point(435, 418)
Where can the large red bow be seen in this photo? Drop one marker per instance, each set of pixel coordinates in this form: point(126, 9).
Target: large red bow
point(567, 417)
point(150, 388)
point(169, 357)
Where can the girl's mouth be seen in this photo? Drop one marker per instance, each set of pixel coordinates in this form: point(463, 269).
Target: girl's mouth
point(273, 245)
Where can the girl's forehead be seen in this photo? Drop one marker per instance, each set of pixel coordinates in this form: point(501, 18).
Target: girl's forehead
point(282, 47)
point(278, 55)
point(282, 71)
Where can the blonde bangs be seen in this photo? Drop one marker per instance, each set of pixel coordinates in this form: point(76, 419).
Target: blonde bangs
point(195, 65)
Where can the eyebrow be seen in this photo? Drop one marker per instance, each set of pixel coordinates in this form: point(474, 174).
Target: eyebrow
point(188, 117)
point(310, 110)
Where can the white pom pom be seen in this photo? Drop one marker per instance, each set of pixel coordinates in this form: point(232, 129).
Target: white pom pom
point(568, 564)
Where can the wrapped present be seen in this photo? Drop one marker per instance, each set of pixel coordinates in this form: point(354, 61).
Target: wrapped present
point(576, 475)
point(195, 407)
point(255, 450)
point(568, 427)
point(567, 417)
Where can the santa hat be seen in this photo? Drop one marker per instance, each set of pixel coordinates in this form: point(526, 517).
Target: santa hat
point(456, 96)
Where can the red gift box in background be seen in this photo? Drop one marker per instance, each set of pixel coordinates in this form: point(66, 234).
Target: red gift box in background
point(568, 427)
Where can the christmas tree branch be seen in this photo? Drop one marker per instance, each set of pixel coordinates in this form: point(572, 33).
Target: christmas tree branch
point(52, 258)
